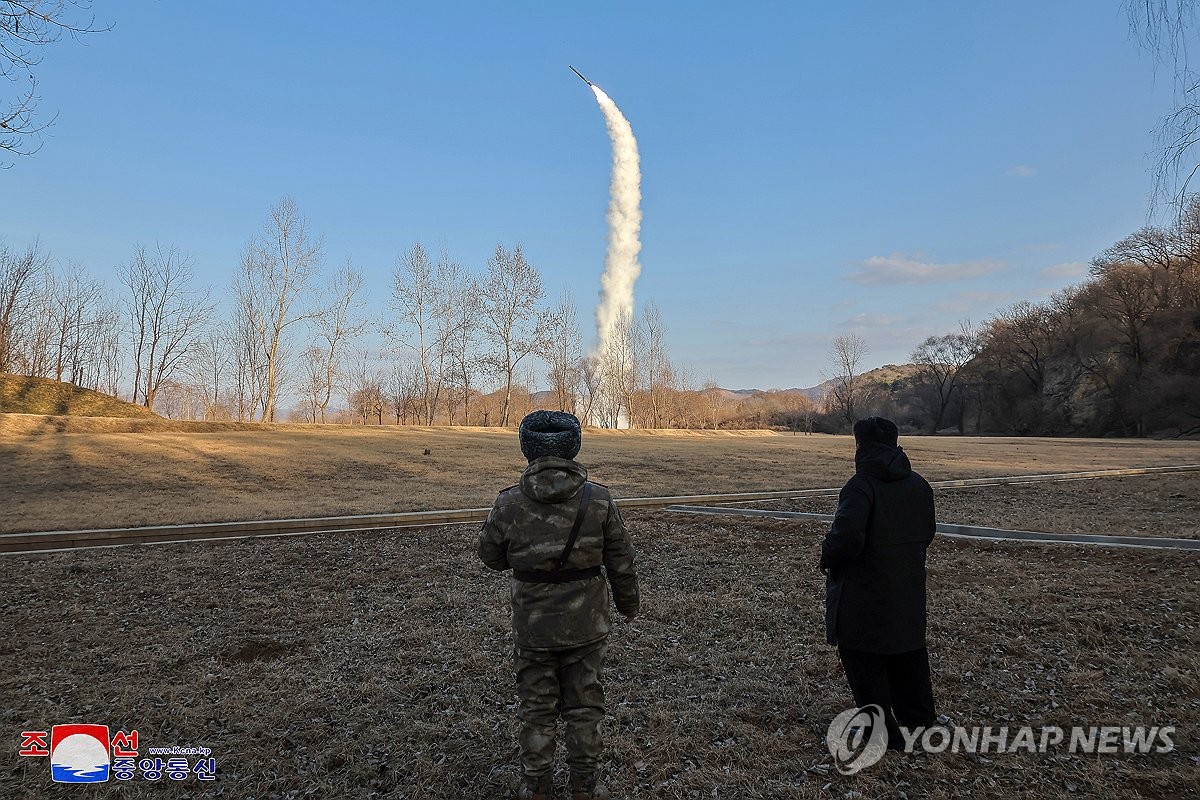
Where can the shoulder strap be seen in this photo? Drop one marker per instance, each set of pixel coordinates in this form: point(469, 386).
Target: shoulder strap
point(583, 504)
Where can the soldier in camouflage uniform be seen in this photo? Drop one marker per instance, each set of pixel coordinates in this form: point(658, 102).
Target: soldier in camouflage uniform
point(560, 607)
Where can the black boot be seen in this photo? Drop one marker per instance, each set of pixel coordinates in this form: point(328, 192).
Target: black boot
point(585, 787)
point(536, 788)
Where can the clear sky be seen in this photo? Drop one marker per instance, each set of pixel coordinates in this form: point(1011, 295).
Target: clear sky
point(809, 169)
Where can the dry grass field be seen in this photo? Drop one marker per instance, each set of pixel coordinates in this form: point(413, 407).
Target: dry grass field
point(378, 664)
point(71, 473)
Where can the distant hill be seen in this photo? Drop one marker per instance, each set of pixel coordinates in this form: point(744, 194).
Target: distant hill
point(22, 395)
point(543, 399)
point(888, 373)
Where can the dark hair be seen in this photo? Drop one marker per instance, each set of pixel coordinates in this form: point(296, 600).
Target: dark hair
point(875, 429)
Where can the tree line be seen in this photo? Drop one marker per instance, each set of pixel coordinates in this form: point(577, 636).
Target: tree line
point(458, 347)
point(1117, 354)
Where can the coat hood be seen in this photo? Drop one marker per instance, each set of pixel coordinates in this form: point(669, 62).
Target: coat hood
point(550, 479)
point(882, 461)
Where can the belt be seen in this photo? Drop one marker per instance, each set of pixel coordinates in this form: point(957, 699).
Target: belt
point(555, 576)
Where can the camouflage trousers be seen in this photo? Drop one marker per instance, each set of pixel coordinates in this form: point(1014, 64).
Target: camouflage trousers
point(566, 683)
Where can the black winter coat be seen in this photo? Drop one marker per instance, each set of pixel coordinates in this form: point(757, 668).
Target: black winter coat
point(875, 555)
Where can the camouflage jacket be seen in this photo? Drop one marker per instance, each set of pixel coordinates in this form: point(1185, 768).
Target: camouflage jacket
point(528, 528)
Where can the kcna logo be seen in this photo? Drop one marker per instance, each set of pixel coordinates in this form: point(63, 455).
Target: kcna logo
point(79, 753)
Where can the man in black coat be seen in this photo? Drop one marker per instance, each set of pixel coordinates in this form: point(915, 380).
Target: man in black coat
point(874, 560)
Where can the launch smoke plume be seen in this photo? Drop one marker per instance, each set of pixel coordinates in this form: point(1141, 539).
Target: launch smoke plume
point(621, 267)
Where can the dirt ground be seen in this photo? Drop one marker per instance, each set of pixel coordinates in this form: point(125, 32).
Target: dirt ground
point(112, 473)
point(378, 664)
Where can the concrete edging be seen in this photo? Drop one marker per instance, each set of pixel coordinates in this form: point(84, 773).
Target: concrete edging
point(972, 532)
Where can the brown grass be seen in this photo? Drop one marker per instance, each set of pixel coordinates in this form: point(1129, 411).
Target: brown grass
point(104, 473)
point(41, 396)
point(379, 665)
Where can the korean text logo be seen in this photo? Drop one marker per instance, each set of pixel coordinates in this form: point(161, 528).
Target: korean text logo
point(81, 753)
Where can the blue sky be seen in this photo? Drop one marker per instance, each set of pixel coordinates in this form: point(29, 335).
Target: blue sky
point(809, 169)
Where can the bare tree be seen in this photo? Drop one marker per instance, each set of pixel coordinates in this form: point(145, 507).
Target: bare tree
point(248, 331)
point(462, 354)
point(432, 309)
point(1093, 347)
point(22, 276)
point(98, 352)
point(210, 366)
point(590, 379)
point(510, 294)
point(181, 400)
point(74, 334)
point(367, 397)
point(681, 406)
point(75, 298)
point(564, 349)
point(1121, 321)
point(26, 26)
point(1164, 28)
point(1020, 338)
point(621, 373)
point(454, 303)
point(846, 354)
point(714, 401)
point(367, 402)
point(940, 361)
point(1187, 247)
point(34, 336)
point(405, 392)
point(337, 324)
point(166, 315)
point(413, 300)
point(39, 330)
point(278, 266)
point(660, 373)
point(314, 385)
point(1124, 297)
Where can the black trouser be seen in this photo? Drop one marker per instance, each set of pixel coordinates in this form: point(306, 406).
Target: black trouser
point(899, 683)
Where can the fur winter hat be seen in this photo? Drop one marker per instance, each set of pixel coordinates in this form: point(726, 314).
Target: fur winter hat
point(875, 429)
point(550, 433)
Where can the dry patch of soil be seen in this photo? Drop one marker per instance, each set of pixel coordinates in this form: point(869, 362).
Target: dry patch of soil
point(379, 665)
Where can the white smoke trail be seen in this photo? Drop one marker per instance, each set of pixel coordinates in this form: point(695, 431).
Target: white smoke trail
point(621, 267)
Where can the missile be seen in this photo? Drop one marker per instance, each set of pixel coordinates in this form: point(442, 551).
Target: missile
point(580, 74)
